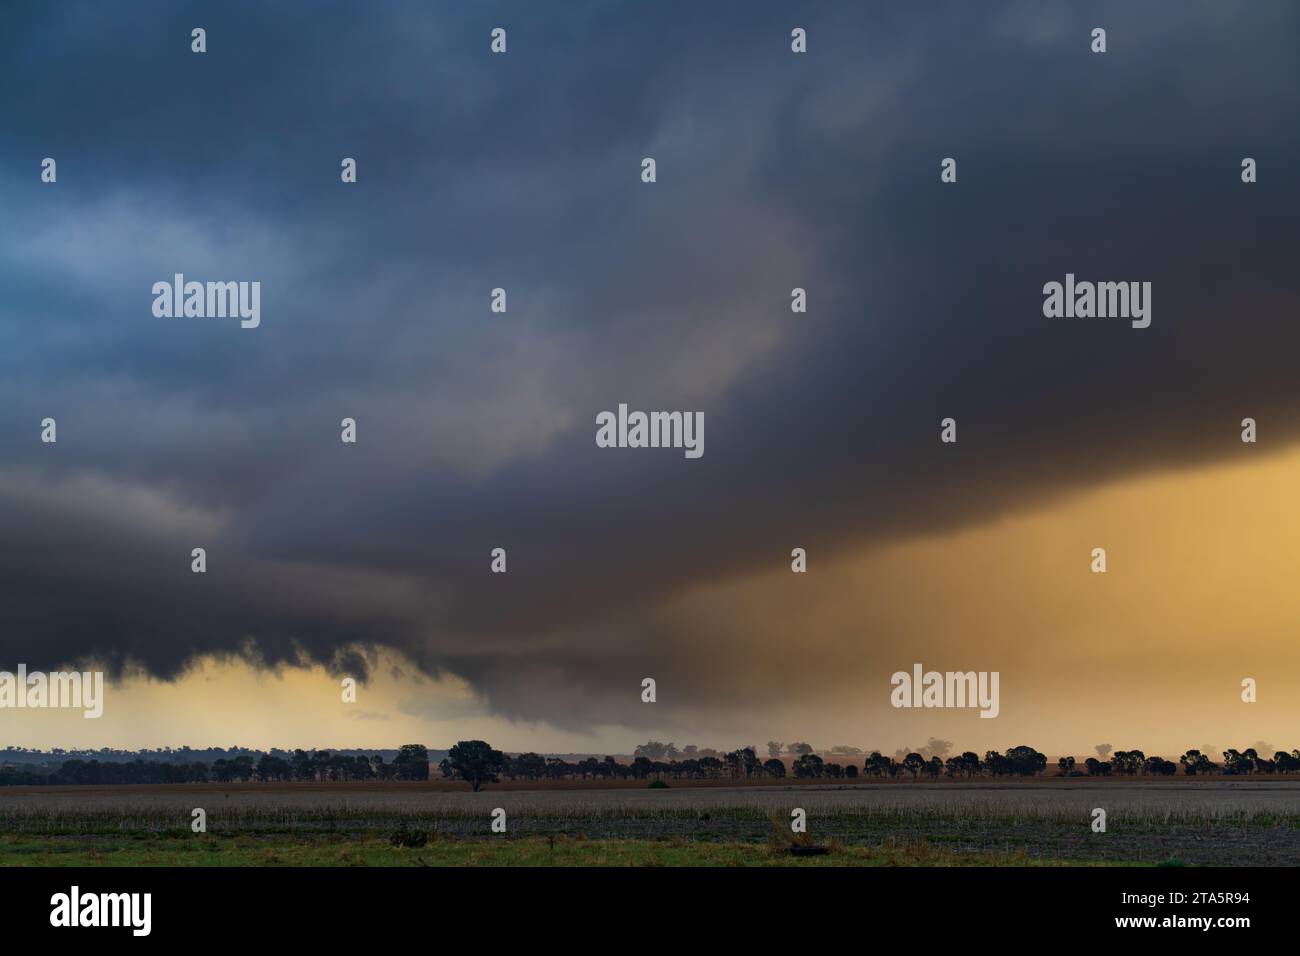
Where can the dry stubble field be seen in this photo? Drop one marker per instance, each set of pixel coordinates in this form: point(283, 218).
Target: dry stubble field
point(1153, 822)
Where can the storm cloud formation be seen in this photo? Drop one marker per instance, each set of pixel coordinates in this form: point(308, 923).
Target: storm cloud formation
point(522, 171)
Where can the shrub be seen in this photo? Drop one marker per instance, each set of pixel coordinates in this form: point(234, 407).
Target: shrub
point(411, 839)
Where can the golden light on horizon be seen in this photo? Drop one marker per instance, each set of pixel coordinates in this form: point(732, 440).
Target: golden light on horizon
point(1199, 594)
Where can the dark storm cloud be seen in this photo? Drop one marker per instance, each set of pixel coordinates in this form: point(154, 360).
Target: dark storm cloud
point(476, 430)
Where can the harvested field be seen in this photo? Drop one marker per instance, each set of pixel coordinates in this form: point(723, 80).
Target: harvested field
point(1207, 822)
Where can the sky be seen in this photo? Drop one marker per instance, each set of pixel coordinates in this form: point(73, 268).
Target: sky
point(476, 429)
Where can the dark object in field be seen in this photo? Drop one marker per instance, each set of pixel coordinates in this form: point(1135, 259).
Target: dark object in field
point(658, 785)
point(801, 850)
point(412, 839)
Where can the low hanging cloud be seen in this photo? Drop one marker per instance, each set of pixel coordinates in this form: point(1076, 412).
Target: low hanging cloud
point(476, 429)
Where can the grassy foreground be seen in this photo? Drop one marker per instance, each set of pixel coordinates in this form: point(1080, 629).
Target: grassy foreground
point(337, 850)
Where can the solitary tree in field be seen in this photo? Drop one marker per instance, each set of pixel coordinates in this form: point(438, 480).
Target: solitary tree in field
point(475, 761)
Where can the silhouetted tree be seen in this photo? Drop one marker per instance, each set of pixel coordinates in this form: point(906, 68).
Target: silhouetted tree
point(1287, 762)
point(273, 768)
point(1158, 766)
point(809, 765)
point(914, 763)
point(1195, 762)
point(878, 765)
point(1026, 761)
point(1128, 762)
point(1235, 762)
point(412, 763)
point(475, 761)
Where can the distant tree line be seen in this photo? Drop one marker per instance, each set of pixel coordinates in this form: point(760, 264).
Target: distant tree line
point(745, 764)
point(653, 760)
point(410, 763)
point(1133, 762)
point(737, 764)
point(20, 756)
point(477, 763)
